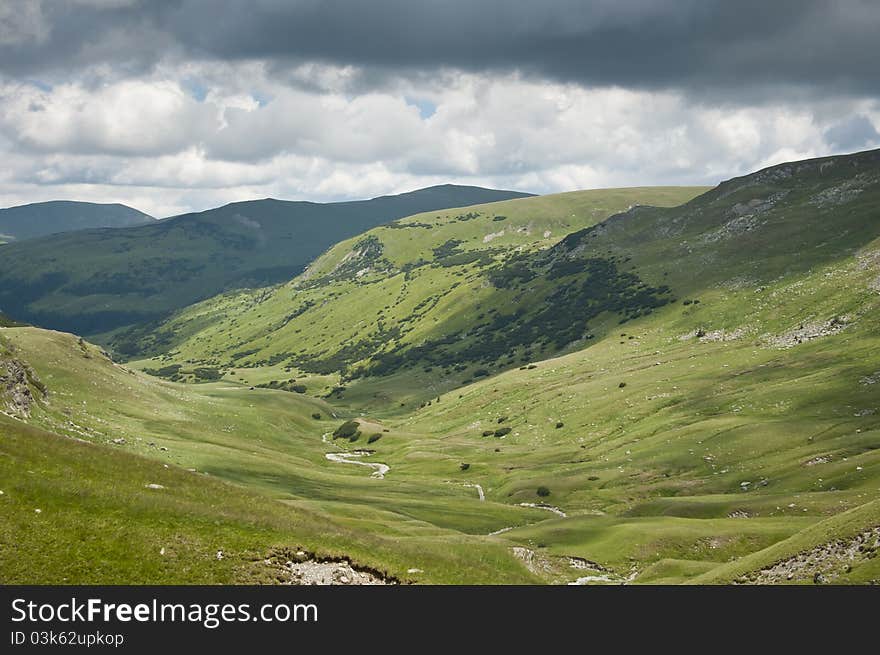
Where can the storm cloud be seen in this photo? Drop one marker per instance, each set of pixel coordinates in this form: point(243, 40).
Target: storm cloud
point(651, 44)
point(183, 103)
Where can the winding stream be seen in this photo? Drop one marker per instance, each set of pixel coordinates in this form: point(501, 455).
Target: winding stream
point(479, 490)
point(379, 469)
point(545, 506)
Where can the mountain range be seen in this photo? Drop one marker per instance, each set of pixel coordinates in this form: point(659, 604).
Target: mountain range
point(45, 218)
point(96, 280)
point(656, 385)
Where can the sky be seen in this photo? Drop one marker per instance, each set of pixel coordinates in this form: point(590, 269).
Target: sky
point(181, 105)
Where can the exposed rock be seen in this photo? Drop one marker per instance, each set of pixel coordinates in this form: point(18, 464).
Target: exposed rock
point(153, 485)
point(822, 564)
point(17, 385)
point(304, 568)
point(809, 331)
point(715, 335)
point(842, 193)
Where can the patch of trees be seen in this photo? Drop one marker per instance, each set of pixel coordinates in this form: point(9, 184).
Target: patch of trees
point(347, 430)
point(207, 374)
point(165, 371)
point(290, 385)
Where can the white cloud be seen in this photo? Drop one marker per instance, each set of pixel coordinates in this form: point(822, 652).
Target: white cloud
point(198, 135)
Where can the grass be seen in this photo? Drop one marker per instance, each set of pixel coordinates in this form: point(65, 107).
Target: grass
point(735, 425)
point(356, 301)
point(109, 279)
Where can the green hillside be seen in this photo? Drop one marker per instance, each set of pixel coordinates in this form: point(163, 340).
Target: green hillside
point(82, 438)
point(374, 296)
point(597, 392)
point(93, 281)
point(44, 218)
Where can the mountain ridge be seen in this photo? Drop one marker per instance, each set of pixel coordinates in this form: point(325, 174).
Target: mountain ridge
point(111, 278)
point(39, 219)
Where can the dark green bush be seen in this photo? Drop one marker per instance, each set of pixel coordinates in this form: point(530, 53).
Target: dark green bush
point(205, 373)
point(543, 492)
point(488, 433)
point(317, 416)
point(346, 430)
point(500, 432)
point(464, 467)
point(373, 438)
point(559, 424)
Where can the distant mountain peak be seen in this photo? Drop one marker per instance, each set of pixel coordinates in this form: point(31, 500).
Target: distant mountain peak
point(55, 216)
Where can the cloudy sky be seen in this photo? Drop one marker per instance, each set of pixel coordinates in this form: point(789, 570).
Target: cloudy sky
point(178, 105)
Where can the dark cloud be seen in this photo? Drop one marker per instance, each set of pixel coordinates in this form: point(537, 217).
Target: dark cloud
point(694, 45)
point(854, 133)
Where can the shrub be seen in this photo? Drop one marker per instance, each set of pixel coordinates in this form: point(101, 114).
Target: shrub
point(543, 492)
point(621, 385)
point(317, 416)
point(559, 424)
point(502, 419)
point(355, 436)
point(500, 432)
point(346, 430)
point(206, 373)
point(593, 478)
point(298, 388)
point(488, 433)
point(373, 438)
point(464, 467)
point(481, 373)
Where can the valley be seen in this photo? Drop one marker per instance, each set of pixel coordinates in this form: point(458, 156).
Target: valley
point(652, 385)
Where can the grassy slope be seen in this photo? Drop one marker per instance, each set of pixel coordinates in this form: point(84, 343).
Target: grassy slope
point(345, 300)
point(651, 473)
point(840, 527)
point(110, 278)
point(92, 494)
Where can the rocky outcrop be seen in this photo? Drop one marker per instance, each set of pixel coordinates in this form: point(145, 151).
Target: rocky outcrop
point(19, 388)
point(303, 568)
point(821, 564)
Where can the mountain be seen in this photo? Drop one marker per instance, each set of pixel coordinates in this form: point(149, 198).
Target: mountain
point(45, 218)
point(93, 281)
point(577, 388)
point(384, 288)
point(469, 294)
